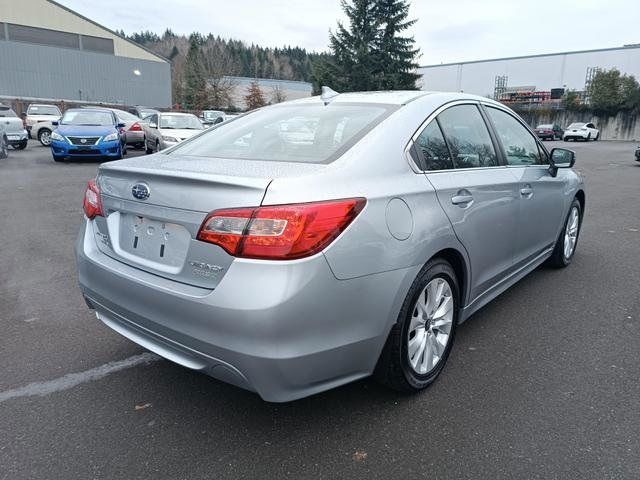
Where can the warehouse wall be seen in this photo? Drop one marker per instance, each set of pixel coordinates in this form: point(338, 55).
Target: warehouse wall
point(46, 14)
point(57, 73)
point(542, 71)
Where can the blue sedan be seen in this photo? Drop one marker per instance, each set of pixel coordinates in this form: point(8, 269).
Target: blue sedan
point(88, 133)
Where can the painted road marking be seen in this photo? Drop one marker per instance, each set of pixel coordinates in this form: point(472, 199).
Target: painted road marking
point(73, 379)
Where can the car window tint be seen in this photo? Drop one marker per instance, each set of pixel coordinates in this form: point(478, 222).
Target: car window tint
point(520, 146)
point(468, 137)
point(433, 149)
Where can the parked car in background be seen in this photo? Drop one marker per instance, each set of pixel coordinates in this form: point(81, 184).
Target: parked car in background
point(289, 268)
point(133, 131)
point(37, 113)
point(13, 126)
point(142, 112)
point(581, 131)
point(88, 132)
point(4, 144)
point(164, 130)
point(549, 131)
point(638, 154)
point(42, 132)
point(212, 117)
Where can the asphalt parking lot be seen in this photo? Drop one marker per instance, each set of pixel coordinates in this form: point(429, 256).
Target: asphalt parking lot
point(542, 383)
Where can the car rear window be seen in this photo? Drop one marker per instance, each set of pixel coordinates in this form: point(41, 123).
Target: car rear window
point(43, 110)
point(547, 126)
point(288, 133)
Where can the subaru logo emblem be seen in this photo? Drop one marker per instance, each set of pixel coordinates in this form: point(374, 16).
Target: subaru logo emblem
point(140, 191)
point(83, 140)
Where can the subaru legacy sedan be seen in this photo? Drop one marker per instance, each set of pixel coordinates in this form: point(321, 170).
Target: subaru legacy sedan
point(290, 267)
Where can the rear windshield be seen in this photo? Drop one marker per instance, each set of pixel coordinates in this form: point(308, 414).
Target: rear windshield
point(87, 117)
point(43, 110)
point(288, 133)
point(7, 112)
point(145, 113)
point(576, 125)
point(125, 116)
point(547, 126)
point(182, 122)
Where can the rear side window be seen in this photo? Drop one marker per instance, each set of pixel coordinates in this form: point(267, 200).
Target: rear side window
point(468, 137)
point(289, 133)
point(520, 146)
point(433, 149)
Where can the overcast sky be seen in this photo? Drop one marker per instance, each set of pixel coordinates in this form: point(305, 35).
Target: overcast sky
point(446, 31)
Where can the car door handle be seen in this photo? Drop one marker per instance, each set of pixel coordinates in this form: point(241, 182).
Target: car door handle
point(461, 199)
point(526, 191)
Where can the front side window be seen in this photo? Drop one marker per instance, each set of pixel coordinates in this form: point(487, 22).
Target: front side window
point(520, 147)
point(433, 149)
point(468, 137)
point(288, 133)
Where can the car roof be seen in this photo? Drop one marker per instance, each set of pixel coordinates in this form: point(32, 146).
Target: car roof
point(393, 97)
point(183, 114)
point(91, 109)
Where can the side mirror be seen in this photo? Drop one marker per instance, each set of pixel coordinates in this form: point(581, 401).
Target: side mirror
point(561, 158)
point(120, 125)
point(55, 123)
point(153, 125)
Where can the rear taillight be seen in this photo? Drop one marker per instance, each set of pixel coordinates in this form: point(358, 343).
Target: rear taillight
point(279, 232)
point(135, 127)
point(91, 204)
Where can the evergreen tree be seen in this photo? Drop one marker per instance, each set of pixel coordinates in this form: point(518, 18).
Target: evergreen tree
point(195, 81)
point(396, 54)
point(370, 54)
point(254, 97)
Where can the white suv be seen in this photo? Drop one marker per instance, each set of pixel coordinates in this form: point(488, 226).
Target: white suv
point(582, 131)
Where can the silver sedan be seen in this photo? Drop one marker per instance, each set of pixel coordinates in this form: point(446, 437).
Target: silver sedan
point(289, 265)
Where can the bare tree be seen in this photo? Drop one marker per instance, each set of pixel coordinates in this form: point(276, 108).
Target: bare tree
point(277, 94)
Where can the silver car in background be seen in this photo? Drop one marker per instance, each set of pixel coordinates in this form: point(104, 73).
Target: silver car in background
point(13, 127)
point(166, 129)
point(291, 264)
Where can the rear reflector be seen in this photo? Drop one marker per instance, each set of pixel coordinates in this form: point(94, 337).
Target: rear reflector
point(135, 127)
point(91, 204)
point(279, 232)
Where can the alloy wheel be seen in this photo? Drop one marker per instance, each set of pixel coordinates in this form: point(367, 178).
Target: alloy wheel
point(430, 327)
point(45, 138)
point(571, 232)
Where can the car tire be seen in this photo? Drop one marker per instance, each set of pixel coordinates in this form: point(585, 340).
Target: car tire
point(20, 146)
point(395, 367)
point(57, 158)
point(157, 145)
point(559, 257)
point(597, 137)
point(148, 150)
point(44, 137)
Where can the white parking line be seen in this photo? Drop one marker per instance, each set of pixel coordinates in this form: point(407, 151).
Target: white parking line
point(73, 379)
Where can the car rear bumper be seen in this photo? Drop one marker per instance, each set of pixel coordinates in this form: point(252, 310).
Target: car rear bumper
point(16, 138)
point(568, 135)
point(134, 138)
point(285, 330)
point(102, 149)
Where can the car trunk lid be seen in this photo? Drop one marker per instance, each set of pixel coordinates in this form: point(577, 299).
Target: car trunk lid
point(154, 206)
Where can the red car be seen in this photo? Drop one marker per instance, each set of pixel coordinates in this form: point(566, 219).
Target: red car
point(549, 131)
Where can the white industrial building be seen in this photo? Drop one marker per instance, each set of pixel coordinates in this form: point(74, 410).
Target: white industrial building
point(568, 70)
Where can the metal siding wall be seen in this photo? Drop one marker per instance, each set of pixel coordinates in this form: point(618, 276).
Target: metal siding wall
point(543, 72)
point(59, 73)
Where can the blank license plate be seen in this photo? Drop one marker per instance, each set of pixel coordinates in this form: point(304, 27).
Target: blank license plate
point(153, 240)
point(13, 137)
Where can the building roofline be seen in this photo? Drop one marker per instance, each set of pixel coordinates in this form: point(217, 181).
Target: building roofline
point(266, 79)
point(73, 12)
point(629, 47)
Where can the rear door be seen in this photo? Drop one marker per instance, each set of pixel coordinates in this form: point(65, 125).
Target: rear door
point(478, 194)
point(540, 195)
